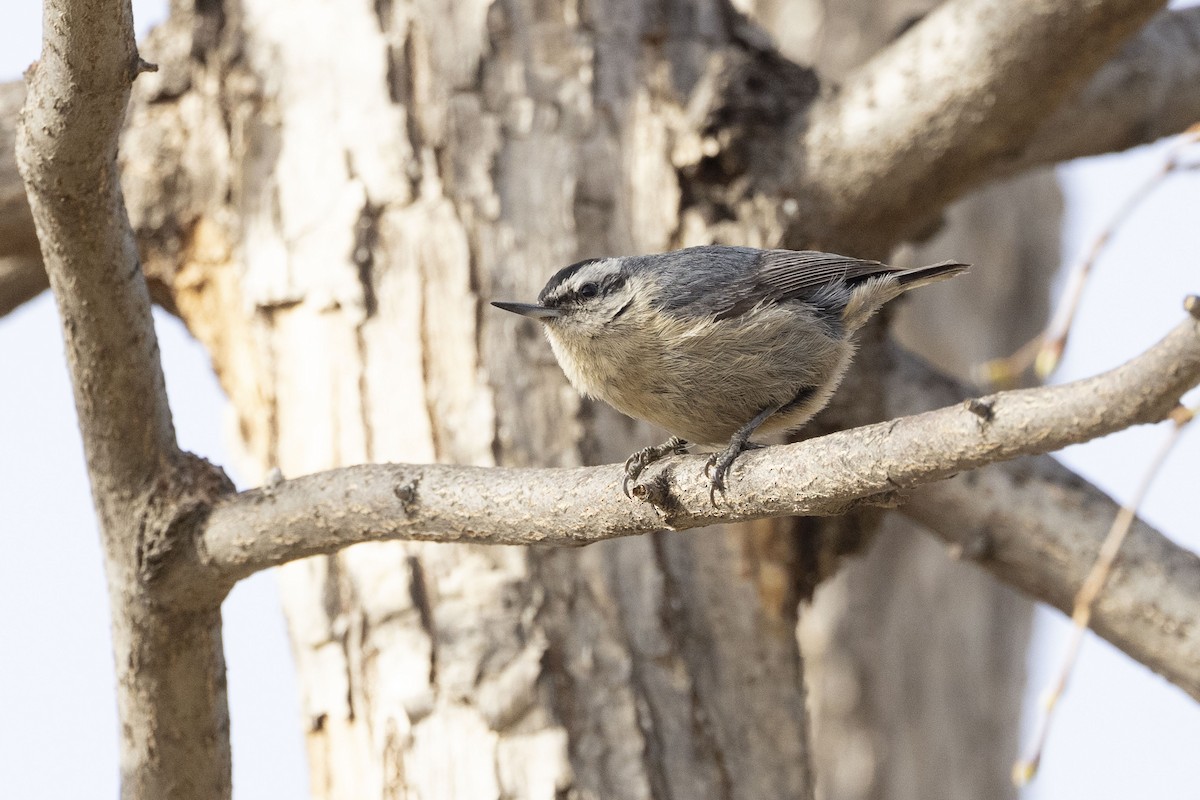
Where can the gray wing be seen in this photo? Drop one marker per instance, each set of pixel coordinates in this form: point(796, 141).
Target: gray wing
point(822, 280)
point(798, 274)
point(729, 281)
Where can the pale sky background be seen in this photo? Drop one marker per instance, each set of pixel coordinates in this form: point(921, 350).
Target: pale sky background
point(1121, 731)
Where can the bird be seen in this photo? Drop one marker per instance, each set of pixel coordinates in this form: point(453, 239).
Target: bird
point(714, 343)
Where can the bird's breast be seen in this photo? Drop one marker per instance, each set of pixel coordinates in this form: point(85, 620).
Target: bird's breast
point(699, 379)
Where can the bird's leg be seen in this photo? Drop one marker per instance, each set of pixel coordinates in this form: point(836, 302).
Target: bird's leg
point(647, 456)
point(719, 463)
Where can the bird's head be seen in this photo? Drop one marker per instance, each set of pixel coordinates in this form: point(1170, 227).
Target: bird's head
point(583, 299)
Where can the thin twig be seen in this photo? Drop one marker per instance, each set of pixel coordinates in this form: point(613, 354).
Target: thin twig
point(1044, 351)
point(1025, 769)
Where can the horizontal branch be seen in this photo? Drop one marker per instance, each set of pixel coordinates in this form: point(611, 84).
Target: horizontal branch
point(326, 512)
point(1038, 527)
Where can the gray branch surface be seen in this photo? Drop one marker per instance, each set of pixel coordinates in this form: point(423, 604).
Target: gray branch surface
point(947, 107)
point(166, 631)
point(1038, 527)
point(327, 511)
point(66, 151)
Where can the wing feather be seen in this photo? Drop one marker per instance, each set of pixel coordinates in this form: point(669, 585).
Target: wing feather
point(783, 275)
point(789, 274)
point(726, 282)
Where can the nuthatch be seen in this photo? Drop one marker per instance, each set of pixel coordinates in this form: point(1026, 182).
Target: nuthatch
point(714, 343)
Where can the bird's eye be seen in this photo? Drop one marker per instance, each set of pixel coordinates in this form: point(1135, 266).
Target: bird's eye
point(588, 291)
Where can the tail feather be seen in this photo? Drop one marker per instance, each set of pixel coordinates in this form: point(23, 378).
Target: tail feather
point(921, 276)
point(868, 295)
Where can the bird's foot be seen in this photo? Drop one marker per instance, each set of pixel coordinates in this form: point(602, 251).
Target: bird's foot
point(647, 456)
point(719, 464)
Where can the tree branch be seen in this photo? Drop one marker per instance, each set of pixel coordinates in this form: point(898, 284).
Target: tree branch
point(1032, 523)
point(945, 108)
point(66, 152)
point(325, 512)
point(1038, 527)
point(166, 623)
point(1150, 90)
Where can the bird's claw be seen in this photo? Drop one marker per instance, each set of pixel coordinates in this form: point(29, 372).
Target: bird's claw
point(716, 469)
point(720, 463)
point(636, 463)
point(633, 468)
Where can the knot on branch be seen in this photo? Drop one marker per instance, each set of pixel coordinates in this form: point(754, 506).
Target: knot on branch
point(983, 408)
point(407, 494)
point(659, 492)
point(173, 509)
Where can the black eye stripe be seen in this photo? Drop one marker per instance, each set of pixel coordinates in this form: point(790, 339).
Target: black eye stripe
point(555, 286)
point(607, 286)
point(584, 292)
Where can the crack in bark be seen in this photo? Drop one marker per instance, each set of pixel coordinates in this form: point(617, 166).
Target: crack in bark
point(365, 240)
point(419, 592)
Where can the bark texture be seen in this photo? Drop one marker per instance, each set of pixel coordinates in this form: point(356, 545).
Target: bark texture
point(1000, 510)
point(872, 184)
point(21, 274)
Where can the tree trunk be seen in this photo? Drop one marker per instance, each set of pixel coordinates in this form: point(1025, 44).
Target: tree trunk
point(348, 185)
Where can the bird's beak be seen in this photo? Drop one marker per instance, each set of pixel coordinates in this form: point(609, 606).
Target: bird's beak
point(531, 310)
